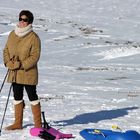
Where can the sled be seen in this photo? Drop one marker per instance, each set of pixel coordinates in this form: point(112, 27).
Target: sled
point(102, 134)
point(48, 132)
point(59, 135)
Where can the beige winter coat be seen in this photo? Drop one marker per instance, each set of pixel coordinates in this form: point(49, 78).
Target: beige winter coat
point(28, 49)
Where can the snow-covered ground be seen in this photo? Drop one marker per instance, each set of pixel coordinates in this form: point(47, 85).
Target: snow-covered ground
point(89, 71)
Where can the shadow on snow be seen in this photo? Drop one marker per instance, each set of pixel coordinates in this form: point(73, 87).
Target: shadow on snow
point(94, 117)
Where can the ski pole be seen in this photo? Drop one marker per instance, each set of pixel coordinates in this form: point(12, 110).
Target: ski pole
point(4, 81)
point(45, 122)
point(5, 109)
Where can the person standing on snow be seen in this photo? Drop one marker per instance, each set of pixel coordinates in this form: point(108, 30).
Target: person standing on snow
point(21, 55)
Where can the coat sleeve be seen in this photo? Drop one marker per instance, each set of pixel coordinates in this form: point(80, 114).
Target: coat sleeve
point(6, 56)
point(34, 56)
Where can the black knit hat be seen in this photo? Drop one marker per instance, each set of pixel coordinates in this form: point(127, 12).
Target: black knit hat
point(28, 14)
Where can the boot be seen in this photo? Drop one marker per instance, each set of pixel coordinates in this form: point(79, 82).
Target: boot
point(18, 116)
point(36, 110)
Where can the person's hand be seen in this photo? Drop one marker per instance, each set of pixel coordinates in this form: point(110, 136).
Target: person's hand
point(10, 65)
point(13, 65)
point(17, 65)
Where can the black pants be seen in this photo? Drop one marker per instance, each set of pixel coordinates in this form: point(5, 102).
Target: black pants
point(30, 89)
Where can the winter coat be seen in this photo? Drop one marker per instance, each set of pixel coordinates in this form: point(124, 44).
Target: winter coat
point(27, 49)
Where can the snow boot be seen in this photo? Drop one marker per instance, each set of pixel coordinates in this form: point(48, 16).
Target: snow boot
point(36, 110)
point(18, 106)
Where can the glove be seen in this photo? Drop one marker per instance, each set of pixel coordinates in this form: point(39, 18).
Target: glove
point(10, 65)
point(13, 65)
point(46, 136)
point(17, 65)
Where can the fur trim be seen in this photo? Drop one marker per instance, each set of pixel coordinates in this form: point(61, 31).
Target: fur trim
point(23, 31)
point(35, 102)
point(17, 102)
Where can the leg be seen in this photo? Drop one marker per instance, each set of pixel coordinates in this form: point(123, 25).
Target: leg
point(19, 106)
point(18, 91)
point(35, 104)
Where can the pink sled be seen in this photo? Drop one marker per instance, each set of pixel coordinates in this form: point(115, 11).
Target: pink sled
point(59, 135)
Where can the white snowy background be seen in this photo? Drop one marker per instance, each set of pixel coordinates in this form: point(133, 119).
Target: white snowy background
point(89, 70)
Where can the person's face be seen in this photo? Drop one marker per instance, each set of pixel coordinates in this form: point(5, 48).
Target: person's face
point(23, 21)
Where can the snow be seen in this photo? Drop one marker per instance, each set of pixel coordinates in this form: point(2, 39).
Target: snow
point(89, 67)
